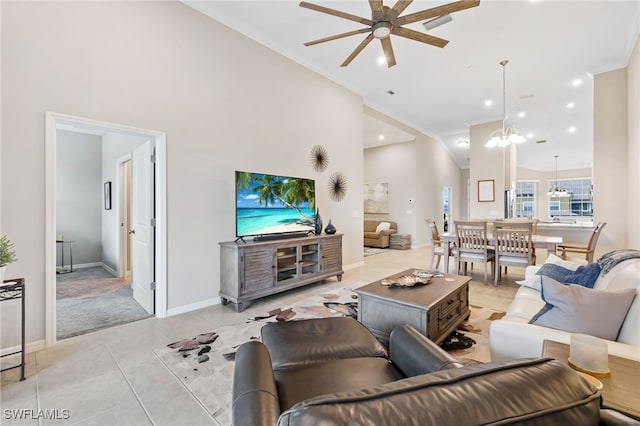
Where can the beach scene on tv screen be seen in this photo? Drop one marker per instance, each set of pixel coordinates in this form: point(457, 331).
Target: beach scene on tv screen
point(270, 204)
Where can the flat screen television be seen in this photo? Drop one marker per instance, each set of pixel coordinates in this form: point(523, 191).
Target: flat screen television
point(271, 205)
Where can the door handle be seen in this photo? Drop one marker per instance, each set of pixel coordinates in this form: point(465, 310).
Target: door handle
point(132, 231)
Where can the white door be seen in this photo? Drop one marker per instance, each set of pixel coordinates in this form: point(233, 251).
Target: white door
point(142, 230)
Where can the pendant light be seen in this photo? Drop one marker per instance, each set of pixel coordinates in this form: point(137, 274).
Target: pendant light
point(506, 135)
point(557, 191)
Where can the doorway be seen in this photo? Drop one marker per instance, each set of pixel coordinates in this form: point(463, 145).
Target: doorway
point(149, 240)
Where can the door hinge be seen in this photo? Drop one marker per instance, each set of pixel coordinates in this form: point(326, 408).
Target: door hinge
point(153, 285)
point(153, 158)
point(153, 221)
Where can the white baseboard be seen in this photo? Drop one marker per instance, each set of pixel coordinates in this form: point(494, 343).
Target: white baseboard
point(109, 269)
point(194, 306)
point(34, 346)
point(87, 265)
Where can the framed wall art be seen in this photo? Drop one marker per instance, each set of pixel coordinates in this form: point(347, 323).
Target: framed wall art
point(376, 197)
point(486, 190)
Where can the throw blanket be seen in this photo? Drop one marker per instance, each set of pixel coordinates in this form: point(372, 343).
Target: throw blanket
point(585, 276)
point(611, 259)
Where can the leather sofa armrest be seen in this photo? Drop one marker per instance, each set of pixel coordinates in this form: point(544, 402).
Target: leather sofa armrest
point(611, 418)
point(414, 354)
point(255, 396)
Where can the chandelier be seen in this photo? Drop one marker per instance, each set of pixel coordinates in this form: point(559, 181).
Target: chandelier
point(557, 191)
point(506, 135)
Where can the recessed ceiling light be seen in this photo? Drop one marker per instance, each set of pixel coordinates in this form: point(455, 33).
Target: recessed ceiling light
point(488, 102)
point(463, 143)
point(572, 129)
point(577, 82)
point(521, 114)
point(382, 60)
point(381, 137)
point(529, 135)
point(571, 104)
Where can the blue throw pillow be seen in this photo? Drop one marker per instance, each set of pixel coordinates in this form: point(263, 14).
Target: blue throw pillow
point(585, 276)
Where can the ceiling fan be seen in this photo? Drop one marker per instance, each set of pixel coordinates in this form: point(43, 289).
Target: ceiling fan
point(386, 21)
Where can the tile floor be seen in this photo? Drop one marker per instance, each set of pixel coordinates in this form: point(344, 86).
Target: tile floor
point(112, 377)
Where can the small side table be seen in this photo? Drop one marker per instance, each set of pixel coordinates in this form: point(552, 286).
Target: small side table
point(10, 290)
point(62, 269)
point(400, 241)
point(620, 391)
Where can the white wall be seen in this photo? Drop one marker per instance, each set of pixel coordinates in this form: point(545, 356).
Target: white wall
point(224, 102)
point(79, 196)
point(396, 165)
point(486, 164)
point(418, 170)
point(114, 147)
point(610, 153)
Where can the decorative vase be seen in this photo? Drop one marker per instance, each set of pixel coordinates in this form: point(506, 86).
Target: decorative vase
point(318, 222)
point(330, 229)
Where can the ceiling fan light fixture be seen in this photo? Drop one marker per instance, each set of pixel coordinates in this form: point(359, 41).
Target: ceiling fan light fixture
point(382, 30)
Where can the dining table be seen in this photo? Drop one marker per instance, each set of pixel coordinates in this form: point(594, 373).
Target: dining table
point(546, 242)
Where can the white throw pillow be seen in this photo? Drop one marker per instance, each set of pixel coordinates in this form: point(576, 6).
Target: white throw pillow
point(534, 280)
point(578, 309)
point(383, 226)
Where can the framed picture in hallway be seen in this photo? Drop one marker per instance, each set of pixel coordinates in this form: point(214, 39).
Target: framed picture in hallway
point(107, 195)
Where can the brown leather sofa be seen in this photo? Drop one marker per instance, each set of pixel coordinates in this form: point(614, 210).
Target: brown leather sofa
point(378, 239)
point(298, 376)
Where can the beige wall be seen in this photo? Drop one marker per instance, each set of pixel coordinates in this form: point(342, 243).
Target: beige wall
point(633, 132)
point(224, 101)
point(610, 152)
point(420, 172)
point(486, 164)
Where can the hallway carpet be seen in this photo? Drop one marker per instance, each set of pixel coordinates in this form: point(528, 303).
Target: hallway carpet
point(91, 299)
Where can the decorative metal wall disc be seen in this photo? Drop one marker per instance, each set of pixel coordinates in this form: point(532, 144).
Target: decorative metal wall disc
point(319, 158)
point(337, 186)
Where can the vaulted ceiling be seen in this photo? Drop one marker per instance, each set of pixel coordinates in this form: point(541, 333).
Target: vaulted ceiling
point(554, 48)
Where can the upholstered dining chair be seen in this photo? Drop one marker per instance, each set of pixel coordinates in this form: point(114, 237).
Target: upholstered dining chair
point(438, 248)
point(513, 246)
point(472, 245)
point(587, 250)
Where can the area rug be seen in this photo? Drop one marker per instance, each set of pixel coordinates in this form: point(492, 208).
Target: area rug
point(370, 251)
point(206, 369)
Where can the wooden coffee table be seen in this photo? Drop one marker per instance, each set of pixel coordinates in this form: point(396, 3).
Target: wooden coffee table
point(435, 309)
point(620, 391)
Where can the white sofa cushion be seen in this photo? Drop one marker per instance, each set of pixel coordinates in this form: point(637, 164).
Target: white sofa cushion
point(578, 309)
point(383, 226)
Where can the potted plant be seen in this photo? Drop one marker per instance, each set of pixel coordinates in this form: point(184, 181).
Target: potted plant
point(7, 255)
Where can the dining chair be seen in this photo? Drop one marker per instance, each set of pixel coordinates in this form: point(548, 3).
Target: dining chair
point(438, 248)
point(587, 250)
point(472, 245)
point(513, 246)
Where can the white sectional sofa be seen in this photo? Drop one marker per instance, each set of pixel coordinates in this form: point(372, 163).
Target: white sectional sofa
point(513, 336)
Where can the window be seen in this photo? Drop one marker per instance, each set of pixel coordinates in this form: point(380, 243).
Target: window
point(525, 199)
point(578, 202)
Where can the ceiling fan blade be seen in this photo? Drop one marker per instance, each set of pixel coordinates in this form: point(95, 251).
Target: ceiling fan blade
point(336, 13)
point(436, 11)
point(388, 51)
point(337, 36)
point(377, 9)
point(358, 49)
point(398, 8)
point(415, 35)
